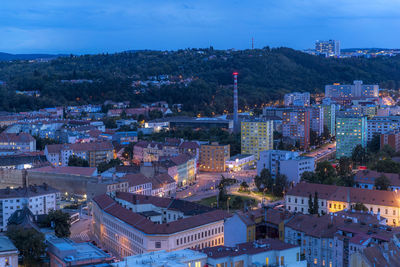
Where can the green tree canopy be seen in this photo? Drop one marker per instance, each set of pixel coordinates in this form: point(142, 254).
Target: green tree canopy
point(60, 221)
point(382, 183)
point(77, 161)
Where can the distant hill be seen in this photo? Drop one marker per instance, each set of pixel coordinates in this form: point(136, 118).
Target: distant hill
point(264, 75)
point(9, 57)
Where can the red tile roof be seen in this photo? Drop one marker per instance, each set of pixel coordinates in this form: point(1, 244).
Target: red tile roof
point(135, 179)
point(347, 194)
point(181, 159)
point(110, 206)
point(94, 146)
point(18, 137)
point(189, 145)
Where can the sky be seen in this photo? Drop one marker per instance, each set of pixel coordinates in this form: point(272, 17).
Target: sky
point(100, 26)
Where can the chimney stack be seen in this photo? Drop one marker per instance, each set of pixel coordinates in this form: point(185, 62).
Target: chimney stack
point(236, 127)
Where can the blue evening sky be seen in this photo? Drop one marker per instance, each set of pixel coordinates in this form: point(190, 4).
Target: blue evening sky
point(95, 26)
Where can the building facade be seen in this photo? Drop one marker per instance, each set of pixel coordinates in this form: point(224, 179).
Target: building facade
point(382, 125)
point(213, 157)
point(256, 136)
point(296, 126)
point(391, 139)
point(297, 99)
point(350, 91)
point(328, 48)
point(350, 132)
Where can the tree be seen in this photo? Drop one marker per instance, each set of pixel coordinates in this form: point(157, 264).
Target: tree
point(264, 180)
point(309, 177)
point(280, 185)
point(103, 166)
point(29, 242)
point(310, 205)
point(382, 183)
point(315, 204)
point(346, 180)
point(60, 221)
point(344, 166)
point(359, 155)
point(42, 142)
point(244, 186)
point(360, 207)
point(77, 161)
point(374, 145)
point(326, 173)
point(387, 165)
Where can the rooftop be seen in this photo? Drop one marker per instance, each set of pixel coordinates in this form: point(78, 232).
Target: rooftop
point(29, 191)
point(82, 171)
point(6, 245)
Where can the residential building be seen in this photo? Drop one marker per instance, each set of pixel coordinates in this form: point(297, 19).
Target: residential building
point(162, 258)
point(145, 151)
point(64, 252)
point(95, 153)
point(328, 48)
point(316, 119)
point(256, 136)
point(185, 169)
point(40, 199)
point(330, 117)
point(377, 255)
point(124, 138)
point(288, 163)
point(296, 126)
point(22, 142)
point(350, 91)
point(240, 162)
point(265, 252)
point(382, 125)
point(297, 99)
point(139, 184)
point(391, 139)
point(213, 157)
point(8, 252)
point(350, 132)
point(333, 198)
point(366, 179)
point(128, 224)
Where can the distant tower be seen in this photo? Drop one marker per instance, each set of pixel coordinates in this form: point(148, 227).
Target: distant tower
point(236, 127)
point(252, 43)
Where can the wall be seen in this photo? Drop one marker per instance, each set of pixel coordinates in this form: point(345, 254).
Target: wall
point(11, 178)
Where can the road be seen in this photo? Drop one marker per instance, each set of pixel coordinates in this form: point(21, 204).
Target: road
point(80, 229)
point(323, 153)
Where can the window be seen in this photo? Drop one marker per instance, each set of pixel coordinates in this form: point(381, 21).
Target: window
point(157, 244)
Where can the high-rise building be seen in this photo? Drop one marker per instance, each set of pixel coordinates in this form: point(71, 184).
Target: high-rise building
point(257, 136)
point(351, 130)
point(328, 48)
point(350, 91)
point(382, 125)
point(213, 157)
point(235, 104)
point(330, 117)
point(296, 125)
point(316, 119)
point(297, 99)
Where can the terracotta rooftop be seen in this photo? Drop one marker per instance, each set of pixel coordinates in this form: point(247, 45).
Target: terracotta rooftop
point(94, 146)
point(189, 145)
point(135, 179)
point(346, 194)
point(110, 206)
point(18, 137)
point(181, 159)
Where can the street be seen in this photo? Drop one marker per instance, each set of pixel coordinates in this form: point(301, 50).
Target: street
point(80, 229)
point(323, 153)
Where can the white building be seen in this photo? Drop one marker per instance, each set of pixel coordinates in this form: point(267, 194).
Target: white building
point(39, 199)
point(285, 162)
point(328, 48)
point(240, 162)
point(349, 91)
point(265, 252)
point(179, 258)
point(297, 99)
point(382, 125)
point(128, 224)
point(23, 142)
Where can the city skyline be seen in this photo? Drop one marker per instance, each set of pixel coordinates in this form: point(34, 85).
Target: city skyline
point(98, 26)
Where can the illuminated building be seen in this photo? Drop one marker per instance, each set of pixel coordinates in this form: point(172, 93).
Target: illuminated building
point(328, 48)
point(257, 136)
point(351, 130)
point(213, 157)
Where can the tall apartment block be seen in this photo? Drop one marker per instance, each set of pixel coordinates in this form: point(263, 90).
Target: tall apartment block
point(382, 125)
point(330, 117)
point(316, 119)
point(296, 125)
point(350, 132)
point(350, 91)
point(328, 48)
point(213, 157)
point(297, 99)
point(257, 136)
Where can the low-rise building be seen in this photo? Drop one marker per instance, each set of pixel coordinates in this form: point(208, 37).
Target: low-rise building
point(128, 224)
point(239, 228)
point(366, 179)
point(40, 199)
point(179, 258)
point(213, 157)
point(266, 252)
point(332, 198)
point(8, 252)
point(240, 162)
point(95, 153)
point(22, 142)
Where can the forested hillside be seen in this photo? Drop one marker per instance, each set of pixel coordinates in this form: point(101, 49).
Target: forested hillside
point(264, 75)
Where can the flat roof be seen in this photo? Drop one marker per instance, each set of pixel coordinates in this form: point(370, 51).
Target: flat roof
point(7, 245)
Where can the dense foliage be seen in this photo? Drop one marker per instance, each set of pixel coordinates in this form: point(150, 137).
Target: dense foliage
point(264, 75)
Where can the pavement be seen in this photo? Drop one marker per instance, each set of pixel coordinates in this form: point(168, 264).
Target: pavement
point(80, 231)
